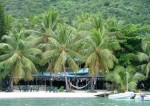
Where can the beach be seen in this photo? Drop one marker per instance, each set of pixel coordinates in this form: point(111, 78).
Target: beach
point(43, 94)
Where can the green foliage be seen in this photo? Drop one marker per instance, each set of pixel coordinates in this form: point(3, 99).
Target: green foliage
point(130, 41)
point(61, 89)
point(144, 56)
point(18, 55)
point(119, 77)
point(127, 59)
point(96, 37)
point(8, 23)
point(131, 11)
point(2, 21)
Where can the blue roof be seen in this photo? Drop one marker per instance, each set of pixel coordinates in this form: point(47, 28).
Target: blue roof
point(82, 73)
point(76, 59)
point(46, 74)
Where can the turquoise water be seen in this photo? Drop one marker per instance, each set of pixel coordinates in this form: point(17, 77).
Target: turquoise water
point(71, 102)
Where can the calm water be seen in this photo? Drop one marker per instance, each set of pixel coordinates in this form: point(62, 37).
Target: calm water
point(70, 102)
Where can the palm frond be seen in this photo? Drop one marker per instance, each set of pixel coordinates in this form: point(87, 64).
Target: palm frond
point(71, 62)
point(48, 55)
point(142, 57)
point(33, 51)
point(141, 67)
point(114, 45)
point(110, 77)
point(4, 72)
point(18, 71)
point(117, 78)
point(147, 69)
point(108, 57)
point(132, 85)
point(4, 57)
point(138, 77)
point(146, 44)
point(10, 60)
point(35, 59)
point(4, 46)
point(54, 42)
point(90, 59)
point(10, 39)
point(34, 41)
point(29, 65)
point(76, 55)
point(60, 62)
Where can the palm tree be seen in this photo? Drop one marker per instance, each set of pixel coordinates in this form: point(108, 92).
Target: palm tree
point(99, 53)
point(144, 57)
point(48, 26)
point(125, 78)
point(42, 29)
point(8, 21)
point(43, 26)
point(18, 54)
point(62, 50)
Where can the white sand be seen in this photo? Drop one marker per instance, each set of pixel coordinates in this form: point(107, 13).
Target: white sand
point(43, 94)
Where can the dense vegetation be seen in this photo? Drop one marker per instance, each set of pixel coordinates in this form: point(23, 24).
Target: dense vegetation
point(52, 40)
point(2, 21)
point(131, 11)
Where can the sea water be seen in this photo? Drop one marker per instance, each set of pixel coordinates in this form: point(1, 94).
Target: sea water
point(71, 102)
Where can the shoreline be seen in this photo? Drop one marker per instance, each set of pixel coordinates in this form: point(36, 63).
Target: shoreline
point(43, 94)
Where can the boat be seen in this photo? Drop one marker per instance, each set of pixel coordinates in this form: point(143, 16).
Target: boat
point(126, 95)
point(142, 97)
point(147, 98)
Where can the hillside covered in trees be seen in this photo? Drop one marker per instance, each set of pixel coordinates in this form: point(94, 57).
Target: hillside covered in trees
point(106, 36)
point(130, 11)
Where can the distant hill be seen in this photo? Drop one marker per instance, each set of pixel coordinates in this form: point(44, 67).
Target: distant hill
point(131, 11)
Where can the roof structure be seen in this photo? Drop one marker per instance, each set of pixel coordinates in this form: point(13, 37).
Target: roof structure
point(82, 73)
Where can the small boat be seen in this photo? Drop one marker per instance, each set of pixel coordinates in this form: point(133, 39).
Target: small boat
point(126, 95)
point(147, 98)
point(142, 97)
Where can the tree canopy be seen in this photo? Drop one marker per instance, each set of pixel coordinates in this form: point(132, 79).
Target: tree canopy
point(2, 21)
point(54, 38)
point(130, 11)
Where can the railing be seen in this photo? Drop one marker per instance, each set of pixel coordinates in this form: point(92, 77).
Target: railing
point(27, 88)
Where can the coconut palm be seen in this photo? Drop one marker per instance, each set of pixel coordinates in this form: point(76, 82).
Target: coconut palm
point(18, 54)
point(121, 75)
point(48, 24)
point(9, 21)
point(63, 49)
point(43, 26)
point(31, 22)
point(99, 53)
point(47, 28)
point(144, 57)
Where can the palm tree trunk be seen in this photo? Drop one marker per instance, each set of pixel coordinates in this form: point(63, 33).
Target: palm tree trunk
point(66, 80)
point(51, 79)
point(51, 83)
point(11, 83)
point(92, 84)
